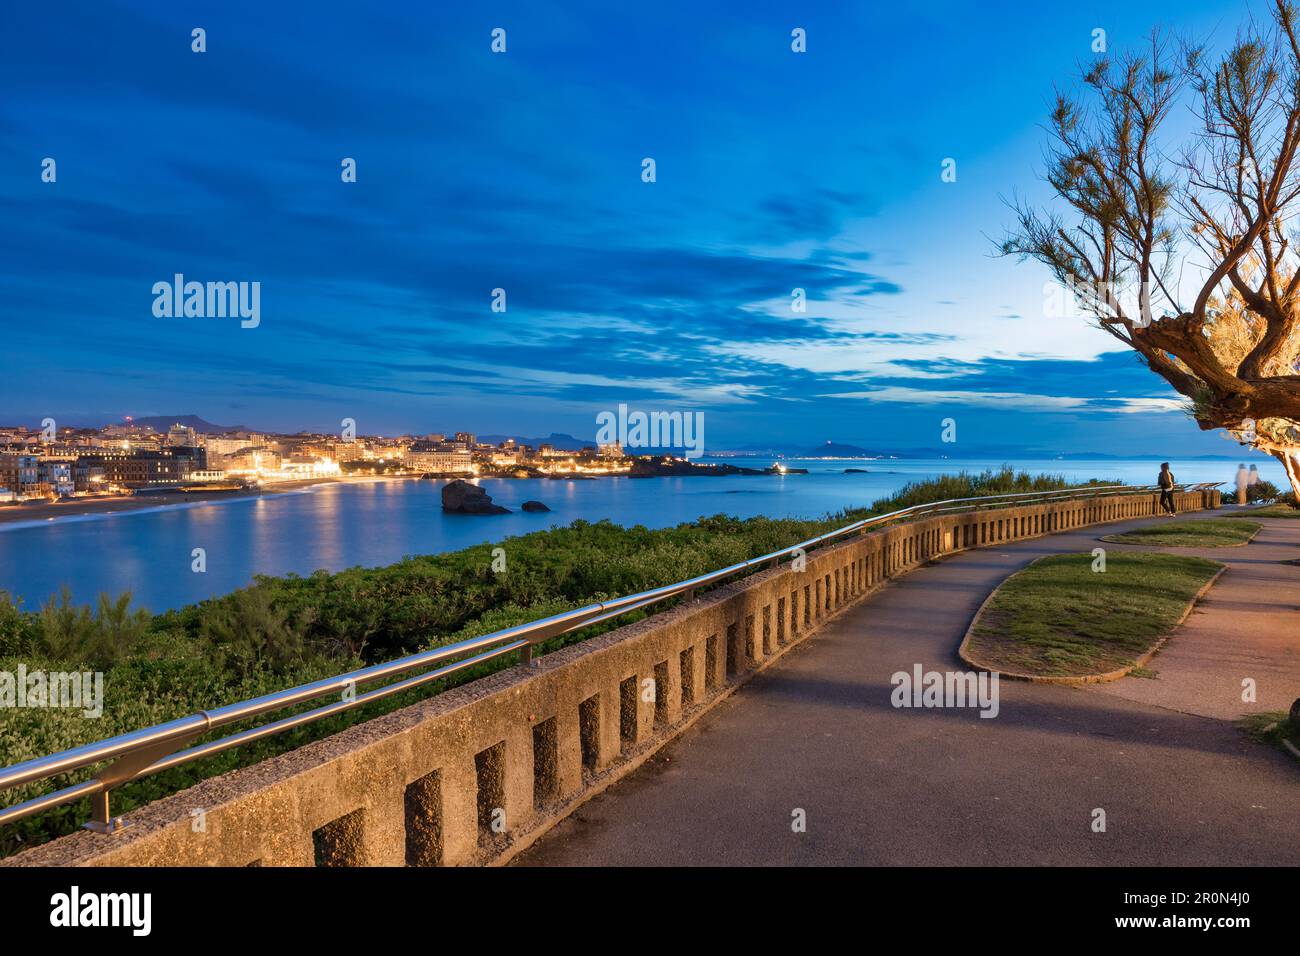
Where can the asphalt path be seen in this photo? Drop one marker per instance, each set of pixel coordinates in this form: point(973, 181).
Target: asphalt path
point(814, 737)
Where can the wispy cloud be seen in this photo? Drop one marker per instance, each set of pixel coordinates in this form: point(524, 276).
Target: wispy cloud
point(521, 172)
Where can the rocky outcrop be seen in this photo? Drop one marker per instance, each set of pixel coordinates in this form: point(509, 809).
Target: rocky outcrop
point(534, 506)
point(461, 497)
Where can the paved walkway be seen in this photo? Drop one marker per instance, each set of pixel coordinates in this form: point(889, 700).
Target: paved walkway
point(1248, 626)
point(878, 785)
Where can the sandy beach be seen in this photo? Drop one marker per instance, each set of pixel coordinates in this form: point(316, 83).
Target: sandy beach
point(73, 507)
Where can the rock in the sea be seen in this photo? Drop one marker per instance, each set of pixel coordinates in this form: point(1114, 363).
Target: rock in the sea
point(534, 506)
point(464, 498)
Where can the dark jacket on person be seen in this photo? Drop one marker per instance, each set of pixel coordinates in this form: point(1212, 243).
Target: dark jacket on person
point(1165, 480)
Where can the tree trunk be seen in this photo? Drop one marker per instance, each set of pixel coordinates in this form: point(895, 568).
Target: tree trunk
point(1292, 471)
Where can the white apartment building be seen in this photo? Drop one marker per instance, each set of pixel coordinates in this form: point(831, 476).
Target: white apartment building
point(440, 460)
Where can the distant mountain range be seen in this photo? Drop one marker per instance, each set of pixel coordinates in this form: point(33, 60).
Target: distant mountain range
point(558, 440)
point(999, 453)
point(830, 449)
point(160, 423)
point(836, 450)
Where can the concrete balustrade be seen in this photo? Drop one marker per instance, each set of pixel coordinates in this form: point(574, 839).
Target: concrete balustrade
point(476, 773)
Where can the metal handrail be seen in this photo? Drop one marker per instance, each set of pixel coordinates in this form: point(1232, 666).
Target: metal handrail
point(151, 750)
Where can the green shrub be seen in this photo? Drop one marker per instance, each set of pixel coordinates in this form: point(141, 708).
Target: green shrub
point(99, 639)
point(247, 631)
point(17, 630)
point(1263, 491)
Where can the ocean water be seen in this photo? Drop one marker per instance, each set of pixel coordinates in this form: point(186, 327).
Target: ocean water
point(148, 552)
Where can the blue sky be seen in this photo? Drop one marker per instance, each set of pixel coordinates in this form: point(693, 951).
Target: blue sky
point(522, 171)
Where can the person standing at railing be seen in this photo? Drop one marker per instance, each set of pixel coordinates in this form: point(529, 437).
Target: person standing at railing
point(1166, 482)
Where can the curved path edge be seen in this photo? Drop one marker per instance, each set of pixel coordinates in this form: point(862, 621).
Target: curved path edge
point(1118, 539)
point(964, 652)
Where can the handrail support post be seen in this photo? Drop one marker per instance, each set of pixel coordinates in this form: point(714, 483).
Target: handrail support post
point(101, 819)
point(122, 770)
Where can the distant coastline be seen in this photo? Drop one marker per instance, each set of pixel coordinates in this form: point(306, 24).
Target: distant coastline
point(35, 514)
point(81, 507)
point(971, 455)
point(29, 512)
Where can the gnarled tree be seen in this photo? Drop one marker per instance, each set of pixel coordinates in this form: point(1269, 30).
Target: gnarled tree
point(1178, 241)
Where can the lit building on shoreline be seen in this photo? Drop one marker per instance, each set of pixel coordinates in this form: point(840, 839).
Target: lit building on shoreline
point(438, 458)
point(136, 468)
point(129, 457)
point(20, 474)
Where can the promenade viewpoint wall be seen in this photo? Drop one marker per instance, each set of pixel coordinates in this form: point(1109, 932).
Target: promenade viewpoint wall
point(473, 775)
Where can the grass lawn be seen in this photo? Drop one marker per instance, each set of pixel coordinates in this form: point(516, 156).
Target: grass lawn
point(1212, 533)
point(1273, 729)
point(1268, 511)
point(1059, 618)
